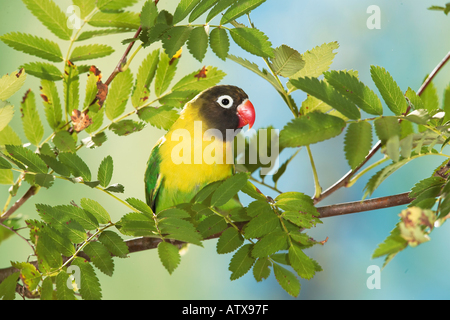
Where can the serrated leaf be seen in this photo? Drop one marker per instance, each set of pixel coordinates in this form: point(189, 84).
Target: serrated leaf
point(424, 185)
point(39, 47)
point(309, 129)
point(64, 141)
point(287, 61)
point(358, 142)
point(29, 274)
point(52, 103)
point(219, 42)
point(392, 148)
point(198, 43)
point(389, 90)
point(96, 210)
point(430, 97)
point(164, 73)
point(57, 240)
point(228, 189)
point(169, 256)
point(125, 19)
point(126, 127)
point(43, 70)
point(76, 165)
point(114, 243)
point(219, 7)
point(391, 245)
point(6, 177)
point(201, 8)
point(6, 115)
point(144, 78)
point(241, 262)
point(44, 180)
point(162, 117)
point(32, 125)
point(253, 41)
point(113, 5)
point(91, 51)
point(102, 32)
point(200, 81)
point(47, 289)
point(270, 243)
point(264, 223)
point(211, 225)
point(62, 290)
point(302, 264)
point(8, 286)
point(82, 216)
point(386, 128)
point(287, 280)
point(9, 136)
point(4, 164)
point(261, 269)
point(229, 241)
point(100, 257)
point(136, 224)
point(89, 283)
point(321, 90)
point(105, 171)
point(117, 187)
point(140, 205)
point(71, 87)
point(149, 13)
point(28, 158)
point(240, 8)
point(353, 89)
point(183, 9)
point(178, 99)
point(180, 230)
point(10, 84)
point(175, 38)
point(118, 94)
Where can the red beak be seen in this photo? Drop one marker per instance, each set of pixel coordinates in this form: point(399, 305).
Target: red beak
point(246, 114)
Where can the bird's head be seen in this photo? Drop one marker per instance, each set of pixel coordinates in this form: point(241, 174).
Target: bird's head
point(225, 107)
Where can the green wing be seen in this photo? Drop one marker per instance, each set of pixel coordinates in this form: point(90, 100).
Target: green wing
point(153, 176)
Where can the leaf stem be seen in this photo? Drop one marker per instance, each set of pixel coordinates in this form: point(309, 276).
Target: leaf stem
point(316, 177)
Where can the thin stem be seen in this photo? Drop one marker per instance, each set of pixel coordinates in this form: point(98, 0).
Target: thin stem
point(316, 177)
point(265, 185)
point(359, 175)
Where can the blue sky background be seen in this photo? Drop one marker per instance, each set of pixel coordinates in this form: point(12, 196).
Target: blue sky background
point(411, 41)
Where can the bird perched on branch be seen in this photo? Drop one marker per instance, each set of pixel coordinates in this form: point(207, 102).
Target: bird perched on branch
point(196, 150)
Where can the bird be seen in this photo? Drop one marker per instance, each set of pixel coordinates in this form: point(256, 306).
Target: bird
point(219, 109)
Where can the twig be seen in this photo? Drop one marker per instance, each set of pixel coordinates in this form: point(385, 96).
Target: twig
point(31, 192)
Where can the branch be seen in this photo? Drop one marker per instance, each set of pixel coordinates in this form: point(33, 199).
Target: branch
point(31, 192)
point(343, 182)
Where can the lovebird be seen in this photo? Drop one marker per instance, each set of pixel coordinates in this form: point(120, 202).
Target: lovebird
point(177, 170)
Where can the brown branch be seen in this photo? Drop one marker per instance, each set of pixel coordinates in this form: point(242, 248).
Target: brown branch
point(343, 182)
point(30, 192)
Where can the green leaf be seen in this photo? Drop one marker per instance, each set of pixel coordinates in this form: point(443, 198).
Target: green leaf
point(149, 13)
point(264, 223)
point(117, 187)
point(430, 97)
point(6, 176)
point(32, 125)
point(6, 115)
point(198, 43)
point(358, 142)
point(211, 225)
point(238, 9)
point(114, 5)
point(313, 128)
point(178, 99)
point(28, 158)
point(229, 241)
point(125, 19)
point(44, 180)
point(253, 41)
point(101, 32)
point(250, 190)
point(62, 291)
point(169, 255)
point(175, 38)
point(353, 89)
point(219, 42)
point(90, 285)
point(389, 90)
point(71, 87)
point(180, 230)
point(144, 78)
point(287, 280)
point(270, 243)
point(105, 171)
point(39, 47)
point(64, 141)
point(386, 128)
point(118, 94)
point(8, 286)
point(8, 136)
point(391, 245)
point(126, 127)
point(241, 262)
point(91, 51)
point(287, 61)
point(96, 210)
point(4, 164)
point(140, 205)
point(57, 240)
point(10, 84)
point(136, 224)
point(51, 16)
point(162, 117)
point(321, 90)
point(228, 189)
point(76, 165)
point(62, 222)
point(100, 257)
point(392, 148)
point(114, 243)
point(302, 264)
point(424, 185)
point(82, 216)
point(29, 274)
point(201, 8)
point(52, 104)
point(200, 81)
point(164, 73)
point(47, 289)
point(183, 9)
point(171, 213)
point(219, 7)
point(261, 269)
point(43, 70)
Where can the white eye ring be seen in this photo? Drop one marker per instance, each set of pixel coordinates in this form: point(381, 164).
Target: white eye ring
point(225, 101)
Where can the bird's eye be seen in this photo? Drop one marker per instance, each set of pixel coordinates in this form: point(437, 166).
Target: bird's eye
point(225, 101)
